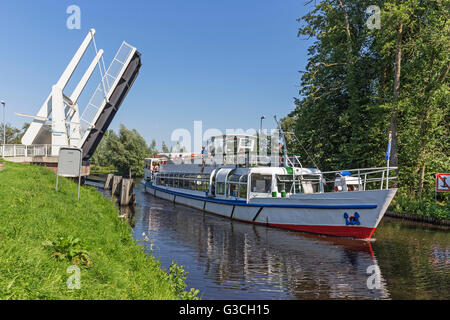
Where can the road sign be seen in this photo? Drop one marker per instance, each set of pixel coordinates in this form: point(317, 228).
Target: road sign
point(442, 182)
point(69, 164)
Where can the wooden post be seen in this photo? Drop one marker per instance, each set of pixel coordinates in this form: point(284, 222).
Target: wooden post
point(109, 178)
point(126, 192)
point(115, 184)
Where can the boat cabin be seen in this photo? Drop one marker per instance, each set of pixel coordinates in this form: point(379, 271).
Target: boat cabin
point(244, 183)
point(237, 178)
point(232, 144)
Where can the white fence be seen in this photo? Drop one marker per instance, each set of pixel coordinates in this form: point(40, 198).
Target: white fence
point(20, 150)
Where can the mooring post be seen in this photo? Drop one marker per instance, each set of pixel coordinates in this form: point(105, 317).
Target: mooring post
point(115, 184)
point(126, 192)
point(109, 178)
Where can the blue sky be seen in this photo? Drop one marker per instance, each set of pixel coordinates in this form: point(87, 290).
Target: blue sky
point(222, 62)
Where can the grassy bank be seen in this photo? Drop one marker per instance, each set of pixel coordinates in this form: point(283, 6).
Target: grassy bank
point(102, 170)
point(43, 232)
point(404, 203)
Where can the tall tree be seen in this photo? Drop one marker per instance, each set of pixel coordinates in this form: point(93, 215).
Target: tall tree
point(12, 134)
point(128, 151)
point(125, 151)
point(360, 83)
point(153, 150)
point(164, 148)
point(415, 41)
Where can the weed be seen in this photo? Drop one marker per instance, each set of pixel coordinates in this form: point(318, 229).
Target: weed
point(69, 248)
point(177, 275)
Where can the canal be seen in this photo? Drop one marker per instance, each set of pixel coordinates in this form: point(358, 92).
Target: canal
point(233, 260)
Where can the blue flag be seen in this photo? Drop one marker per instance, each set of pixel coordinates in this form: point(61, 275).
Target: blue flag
point(388, 150)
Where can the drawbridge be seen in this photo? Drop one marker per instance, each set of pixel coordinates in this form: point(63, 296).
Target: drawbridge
point(60, 122)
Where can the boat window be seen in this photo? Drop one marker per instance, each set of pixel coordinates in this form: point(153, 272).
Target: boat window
point(230, 145)
point(286, 183)
point(192, 184)
point(148, 164)
point(243, 191)
point(246, 144)
point(220, 188)
point(261, 183)
point(175, 181)
point(234, 178)
point(233, 190)
point(196, 182)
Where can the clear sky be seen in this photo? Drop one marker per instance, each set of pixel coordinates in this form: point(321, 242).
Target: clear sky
point(225, 63)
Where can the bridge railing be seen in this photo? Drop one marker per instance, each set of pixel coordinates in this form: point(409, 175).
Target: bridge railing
point(21, 150)
point(105, 88)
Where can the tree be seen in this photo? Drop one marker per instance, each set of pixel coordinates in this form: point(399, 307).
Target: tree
point(415, 44)
point(334, 120)
point(127, 151)
point(360, 83)
point(164, 148)
point(153, 149)
point(101, 157)
point(13, 135)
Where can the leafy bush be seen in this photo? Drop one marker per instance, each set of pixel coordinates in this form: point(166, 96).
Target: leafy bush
point(69, 248)
point(177, 275)
point(403, 203)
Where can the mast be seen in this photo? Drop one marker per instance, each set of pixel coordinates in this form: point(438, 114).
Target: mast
point(284, 141)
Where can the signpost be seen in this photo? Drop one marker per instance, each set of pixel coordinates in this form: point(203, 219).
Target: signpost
point(69, 165)
point(442, 184)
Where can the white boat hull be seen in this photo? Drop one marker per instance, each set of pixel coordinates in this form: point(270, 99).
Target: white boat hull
point(344, 214)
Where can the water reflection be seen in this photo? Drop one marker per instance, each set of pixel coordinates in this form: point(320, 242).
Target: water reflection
point(233, 260)
point(414, 258)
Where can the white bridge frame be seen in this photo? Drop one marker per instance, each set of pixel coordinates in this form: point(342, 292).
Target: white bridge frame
point(61, 112)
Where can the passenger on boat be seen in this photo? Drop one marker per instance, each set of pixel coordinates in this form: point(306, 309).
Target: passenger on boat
point(203, 158)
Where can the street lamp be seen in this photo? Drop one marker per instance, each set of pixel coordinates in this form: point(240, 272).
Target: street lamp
point(4, 128)
point(261, 145)
point(260, 127)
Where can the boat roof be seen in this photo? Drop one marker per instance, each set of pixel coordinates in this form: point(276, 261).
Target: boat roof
point(235, 135)
point(196, 169)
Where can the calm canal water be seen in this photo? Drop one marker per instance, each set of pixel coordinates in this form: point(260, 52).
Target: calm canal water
point(234, 260)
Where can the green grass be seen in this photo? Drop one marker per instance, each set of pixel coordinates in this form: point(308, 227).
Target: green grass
point(425, 206)
point(43, 232)
point(102, 170)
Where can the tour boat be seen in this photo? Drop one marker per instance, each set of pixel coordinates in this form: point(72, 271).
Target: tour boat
point(233, 180)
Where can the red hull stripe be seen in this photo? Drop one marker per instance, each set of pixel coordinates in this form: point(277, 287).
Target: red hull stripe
point(351, 231)
point(338, 231)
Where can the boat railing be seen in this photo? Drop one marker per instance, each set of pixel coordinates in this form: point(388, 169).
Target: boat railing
point(242, 158)
point(294, 161)
point(367, 178)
